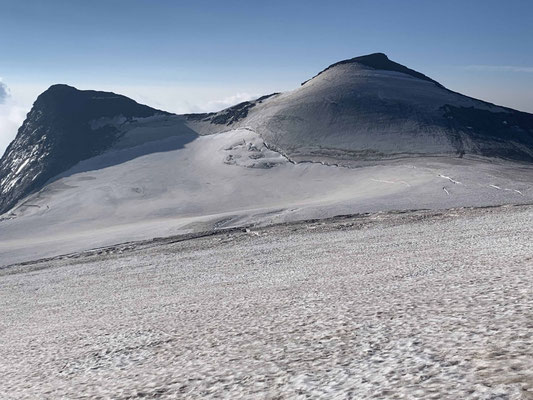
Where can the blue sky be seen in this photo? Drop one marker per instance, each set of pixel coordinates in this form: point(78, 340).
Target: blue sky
point(202, 55)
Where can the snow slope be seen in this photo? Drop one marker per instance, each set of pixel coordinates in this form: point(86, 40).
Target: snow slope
point(434, 305)
point(89, 168)
point(364, 110)
point(175, 185)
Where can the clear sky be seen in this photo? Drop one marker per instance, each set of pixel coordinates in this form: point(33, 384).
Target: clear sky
point(186, 56)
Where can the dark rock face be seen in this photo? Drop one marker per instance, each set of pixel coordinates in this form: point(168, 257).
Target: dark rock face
point(57, 134)
point(506, 135)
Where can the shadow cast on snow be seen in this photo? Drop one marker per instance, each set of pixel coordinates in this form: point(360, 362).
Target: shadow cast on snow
point(122, 155)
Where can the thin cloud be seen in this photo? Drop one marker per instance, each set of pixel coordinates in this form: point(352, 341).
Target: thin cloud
point(186, 107)
point(217, 105)
point(12, 115)
point(4, 92)
point(499, 68)
point(11, 118)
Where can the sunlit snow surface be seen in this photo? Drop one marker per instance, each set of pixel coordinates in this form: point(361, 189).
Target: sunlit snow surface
point(432, 305)
point(158, 181)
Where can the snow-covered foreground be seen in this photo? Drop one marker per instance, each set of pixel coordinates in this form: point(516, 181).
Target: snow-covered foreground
point(140, 190)
point(413, 305)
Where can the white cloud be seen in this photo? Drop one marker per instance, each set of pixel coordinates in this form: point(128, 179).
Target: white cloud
point(499, 68)
point(217, 105)
point(188, 99)
point(12, 113)
point(4, 92)
point(11, 118)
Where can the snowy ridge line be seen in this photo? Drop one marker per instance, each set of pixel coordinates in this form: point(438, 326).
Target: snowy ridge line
point(345, 162)
point(363, 218)
point(353, 163)
point(125, 246)
point(285, 156)
point(268, 146)
point(358, 163)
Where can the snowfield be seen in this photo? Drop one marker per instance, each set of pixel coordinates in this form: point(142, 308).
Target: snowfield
point(178, 184)
point(364, 135)
point(426, 304)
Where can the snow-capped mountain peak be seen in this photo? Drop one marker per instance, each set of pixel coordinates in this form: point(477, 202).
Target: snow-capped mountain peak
point(59, 132)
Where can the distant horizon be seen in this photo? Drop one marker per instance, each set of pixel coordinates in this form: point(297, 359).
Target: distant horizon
point(221, 104)
point(206, 56)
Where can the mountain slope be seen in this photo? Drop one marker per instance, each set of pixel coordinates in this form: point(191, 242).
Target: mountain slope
point(232, 179)
point(62, 129)
point(367, 109)
point(86, 162)
point(370, 108)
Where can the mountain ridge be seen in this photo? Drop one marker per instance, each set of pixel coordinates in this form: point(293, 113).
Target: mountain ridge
point(56, 134)
point(367, 108)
